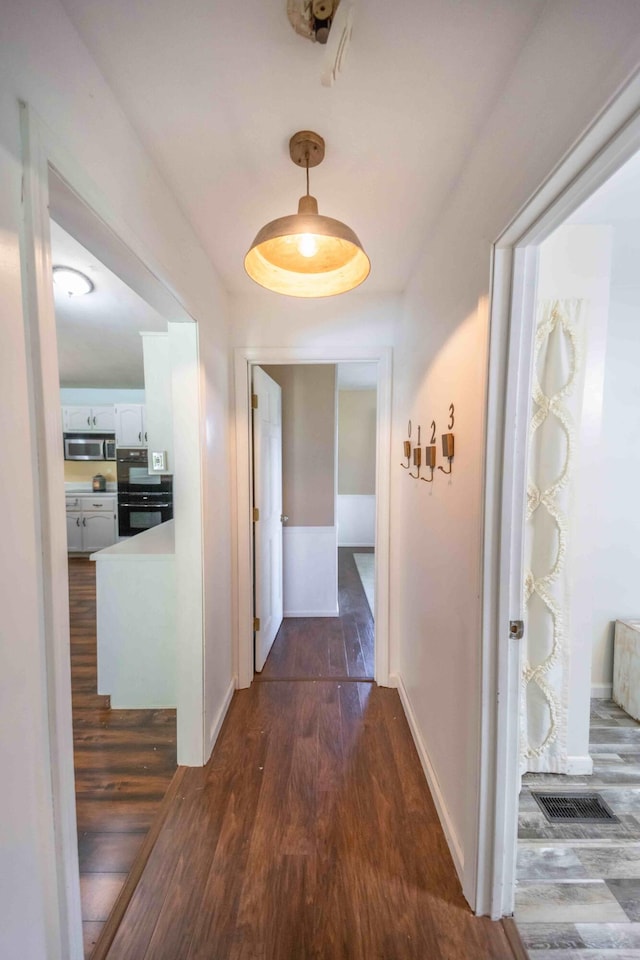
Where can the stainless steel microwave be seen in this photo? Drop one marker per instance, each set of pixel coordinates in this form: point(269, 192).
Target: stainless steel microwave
point(89, 447)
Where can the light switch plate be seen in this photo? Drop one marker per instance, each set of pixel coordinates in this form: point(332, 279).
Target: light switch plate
point(158, 459)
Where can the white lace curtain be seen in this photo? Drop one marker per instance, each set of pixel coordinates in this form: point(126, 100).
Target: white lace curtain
point(557, 401)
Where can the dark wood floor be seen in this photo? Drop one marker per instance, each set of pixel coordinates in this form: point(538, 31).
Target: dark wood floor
point(311, 833)
point(124, 762)
point(315, 647)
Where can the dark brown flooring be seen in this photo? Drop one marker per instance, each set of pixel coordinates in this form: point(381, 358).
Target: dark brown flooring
point(311, 832)
point(124, 762)
point(328, 647)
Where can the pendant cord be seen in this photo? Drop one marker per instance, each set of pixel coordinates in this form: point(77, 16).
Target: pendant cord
point(307, 164)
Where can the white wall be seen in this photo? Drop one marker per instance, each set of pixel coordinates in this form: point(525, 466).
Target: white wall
point(579, 53)
point(575, 262)
point(616, 582)
point(43, 62)
point(82, 396)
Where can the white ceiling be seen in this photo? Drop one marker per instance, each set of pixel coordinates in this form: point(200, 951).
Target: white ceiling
point(215, 90)
point(99, 343)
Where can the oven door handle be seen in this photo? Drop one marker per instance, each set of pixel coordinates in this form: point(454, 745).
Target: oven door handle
point(141, 506)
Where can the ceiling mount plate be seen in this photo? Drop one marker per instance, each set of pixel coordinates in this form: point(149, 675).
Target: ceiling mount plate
point(306, 144)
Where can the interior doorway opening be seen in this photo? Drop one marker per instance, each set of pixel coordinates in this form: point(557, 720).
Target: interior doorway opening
point(522, 331)
point(314, 457)
point(54, 189)
point(378, 361)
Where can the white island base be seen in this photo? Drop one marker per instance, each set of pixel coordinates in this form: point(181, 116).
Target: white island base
point(136, 620)
point(626, 666)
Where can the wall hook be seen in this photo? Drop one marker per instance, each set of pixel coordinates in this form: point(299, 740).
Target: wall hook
point(429, 461)
point(447, 450)
point(407, 454)
point(417, 461)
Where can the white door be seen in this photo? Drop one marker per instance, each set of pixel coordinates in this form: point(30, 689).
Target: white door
point(267, 498)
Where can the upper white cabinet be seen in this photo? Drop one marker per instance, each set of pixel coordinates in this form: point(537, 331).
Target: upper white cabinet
point(159, 406)
point(130, 423)
point(82, 419)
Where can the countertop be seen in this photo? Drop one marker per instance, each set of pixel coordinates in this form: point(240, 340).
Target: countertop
point(86, 490)
point(158, 543)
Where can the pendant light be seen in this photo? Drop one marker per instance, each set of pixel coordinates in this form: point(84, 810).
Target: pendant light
point(305, 254)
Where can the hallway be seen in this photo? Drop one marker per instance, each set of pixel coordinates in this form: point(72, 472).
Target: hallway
point(311, 832)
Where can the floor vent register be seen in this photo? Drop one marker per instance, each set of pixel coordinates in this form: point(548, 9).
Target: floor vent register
point(574, 807)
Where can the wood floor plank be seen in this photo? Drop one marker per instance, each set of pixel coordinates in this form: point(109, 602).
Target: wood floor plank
point(323, 647)
point(124, 762)
point(310, 834)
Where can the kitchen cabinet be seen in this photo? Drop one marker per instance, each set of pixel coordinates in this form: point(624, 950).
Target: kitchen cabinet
point(159, 406)
point(74, 532)
point(94, 419)
point(91, 523)
point(130, 425)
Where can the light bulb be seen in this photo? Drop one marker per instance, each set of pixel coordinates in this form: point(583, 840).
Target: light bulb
point(307, 245)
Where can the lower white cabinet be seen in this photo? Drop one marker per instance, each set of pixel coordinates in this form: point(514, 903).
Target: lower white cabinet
point(92, 523)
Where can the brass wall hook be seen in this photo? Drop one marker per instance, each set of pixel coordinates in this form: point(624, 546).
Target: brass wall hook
point(447, 450)
point(407, 454)
point(429, 461)
point(417, 460)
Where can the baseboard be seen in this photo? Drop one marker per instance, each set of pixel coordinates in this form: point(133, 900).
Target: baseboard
point(218, 720)
point(312, 613)
point(579, 766)
point(443, 813)
point(573, 766)
point(356, 546)
point(601, 691)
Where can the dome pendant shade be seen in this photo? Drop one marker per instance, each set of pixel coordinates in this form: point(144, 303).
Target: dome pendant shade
point(305, 254)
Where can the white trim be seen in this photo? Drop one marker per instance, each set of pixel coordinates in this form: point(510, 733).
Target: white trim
point(602, 691)
point(245, 358)
point(293, 614)
point(612, 138)
point(62, 900)
point(453, 840)
point(218, 720)
point(578, 766)
point(357, 545)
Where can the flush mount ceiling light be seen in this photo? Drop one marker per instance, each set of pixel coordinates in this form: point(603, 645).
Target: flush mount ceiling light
point(73, 282)
point(307, 255)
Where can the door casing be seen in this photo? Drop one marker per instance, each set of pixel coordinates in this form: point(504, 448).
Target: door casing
point(612, 139)
point(245, 359)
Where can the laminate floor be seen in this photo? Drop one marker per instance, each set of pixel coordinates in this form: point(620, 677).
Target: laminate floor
point(311, 833)
point(124, 762)
point(328, 647)
point(578, 895)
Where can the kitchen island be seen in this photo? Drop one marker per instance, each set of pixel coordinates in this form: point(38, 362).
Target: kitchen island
point(136, 620)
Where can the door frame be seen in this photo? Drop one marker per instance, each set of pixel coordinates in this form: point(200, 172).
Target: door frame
point(43, 154)
point(612, 139)
point(245, 359)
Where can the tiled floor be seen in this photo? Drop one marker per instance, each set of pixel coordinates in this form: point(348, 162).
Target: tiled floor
point(578, 895)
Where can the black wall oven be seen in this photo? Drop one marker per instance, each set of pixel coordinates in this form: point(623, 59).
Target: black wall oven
point(144, 500)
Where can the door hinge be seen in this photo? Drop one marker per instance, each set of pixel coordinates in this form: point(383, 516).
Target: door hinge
point(256, 624)
point(256, 514)
point(254, 401)
point(516, 629)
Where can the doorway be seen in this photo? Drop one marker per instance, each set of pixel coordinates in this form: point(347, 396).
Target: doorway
point(517, 332)
point(246, 359)
point(314, 456)
point(48, 190)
